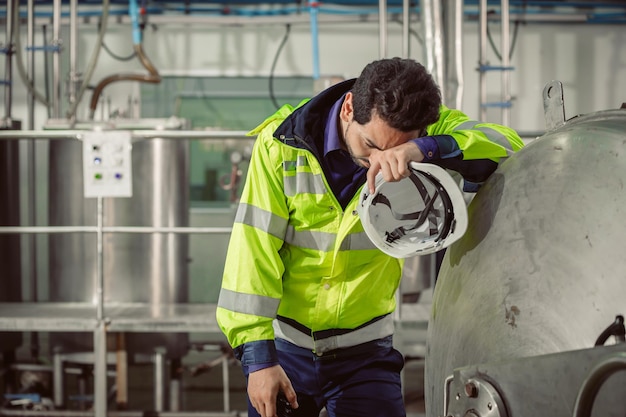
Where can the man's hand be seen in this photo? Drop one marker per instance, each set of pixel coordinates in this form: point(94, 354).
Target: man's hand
point(263, 388)
point(393, 163)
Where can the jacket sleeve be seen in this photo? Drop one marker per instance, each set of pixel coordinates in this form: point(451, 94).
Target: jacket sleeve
point(475, 140)
point(252, 282)
point(471, 148)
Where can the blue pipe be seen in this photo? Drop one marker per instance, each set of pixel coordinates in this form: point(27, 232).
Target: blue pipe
point(544, 3)
point(133, 12)
point(526, 7)
point(522, 3)
point(314, 37)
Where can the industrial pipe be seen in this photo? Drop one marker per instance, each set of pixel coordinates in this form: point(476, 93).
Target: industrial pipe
point(91, 67)
point(11, 4)
point(152, 77)
point(56, 59)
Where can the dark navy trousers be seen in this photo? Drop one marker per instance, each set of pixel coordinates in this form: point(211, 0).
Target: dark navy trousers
point(360, 381)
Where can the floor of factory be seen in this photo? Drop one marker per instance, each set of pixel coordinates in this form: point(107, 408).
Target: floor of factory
point(201, 385)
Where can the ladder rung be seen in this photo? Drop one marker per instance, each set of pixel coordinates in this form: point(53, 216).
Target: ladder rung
point(484, 68)
point(503, 104)
point(48, 48)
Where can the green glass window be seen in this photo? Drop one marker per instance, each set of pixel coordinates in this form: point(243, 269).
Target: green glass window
point(218, 166)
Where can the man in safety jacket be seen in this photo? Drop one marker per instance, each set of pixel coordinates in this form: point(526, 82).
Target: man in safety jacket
point(306, 298)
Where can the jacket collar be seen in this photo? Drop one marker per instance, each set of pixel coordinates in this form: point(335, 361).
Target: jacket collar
point(305, 126)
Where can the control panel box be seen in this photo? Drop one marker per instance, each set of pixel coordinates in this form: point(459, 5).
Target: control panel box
point(107, 164)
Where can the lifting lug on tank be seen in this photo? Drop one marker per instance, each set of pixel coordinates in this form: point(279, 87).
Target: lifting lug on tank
point(472, 397)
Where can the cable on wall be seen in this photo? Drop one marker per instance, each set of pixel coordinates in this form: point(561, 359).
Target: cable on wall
point(271, 78)
point(513, 39)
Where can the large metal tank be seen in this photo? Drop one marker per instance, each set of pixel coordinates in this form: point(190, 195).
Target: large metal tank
point(541, 267)
point(138, 267)
point(10, 271)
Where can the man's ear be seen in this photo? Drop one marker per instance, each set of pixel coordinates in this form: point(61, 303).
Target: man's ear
point(347, 111)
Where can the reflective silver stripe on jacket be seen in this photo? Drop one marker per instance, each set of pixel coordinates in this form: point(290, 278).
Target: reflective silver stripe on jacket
point(300, 161)
point(257, 305)
point(377, 330)
point(261, 219)
point(310, 240)
point(491, 134)
point(325, 242)
point(278, 227)
point(302, 182)
point(357, 241)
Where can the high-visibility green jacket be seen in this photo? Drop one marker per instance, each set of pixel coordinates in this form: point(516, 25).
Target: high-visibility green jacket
point(299, 266)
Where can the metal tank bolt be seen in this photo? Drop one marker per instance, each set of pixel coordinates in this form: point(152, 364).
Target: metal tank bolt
point(471, 390)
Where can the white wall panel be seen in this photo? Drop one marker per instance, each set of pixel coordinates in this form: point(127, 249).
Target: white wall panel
point(590, 60)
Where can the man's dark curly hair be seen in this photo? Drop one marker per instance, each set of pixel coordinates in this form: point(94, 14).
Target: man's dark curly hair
point(401, 91)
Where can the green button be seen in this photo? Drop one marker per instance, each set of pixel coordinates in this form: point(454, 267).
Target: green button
point(98, 176)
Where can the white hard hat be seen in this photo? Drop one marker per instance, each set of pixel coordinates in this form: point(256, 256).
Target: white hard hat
point(418, 215)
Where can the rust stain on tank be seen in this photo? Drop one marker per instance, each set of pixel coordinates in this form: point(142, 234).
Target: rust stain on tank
point(510, 314)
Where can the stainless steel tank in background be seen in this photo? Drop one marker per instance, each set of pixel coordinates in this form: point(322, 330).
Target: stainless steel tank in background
point(418, 275)
point(138, 267)
point(10, 261)
point(542, 267)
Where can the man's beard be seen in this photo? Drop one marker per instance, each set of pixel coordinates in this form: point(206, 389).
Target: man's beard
point(359, 161)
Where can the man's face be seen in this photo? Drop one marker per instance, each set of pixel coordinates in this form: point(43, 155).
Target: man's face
point(361, 140)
